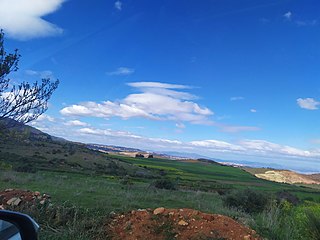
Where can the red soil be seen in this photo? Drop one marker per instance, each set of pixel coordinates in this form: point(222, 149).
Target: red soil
point(182, 224)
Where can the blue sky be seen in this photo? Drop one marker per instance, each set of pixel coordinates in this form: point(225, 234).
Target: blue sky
point(236, 80)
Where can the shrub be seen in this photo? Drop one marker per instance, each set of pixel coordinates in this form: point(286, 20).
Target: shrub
point(313, 224)
point(277, 223)
point(287, 196)
point(247, 200)
point(164, 184)
point(25, 167)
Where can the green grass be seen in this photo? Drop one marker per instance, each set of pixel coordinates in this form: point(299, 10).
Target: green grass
point(215, 176)
point(107, 194)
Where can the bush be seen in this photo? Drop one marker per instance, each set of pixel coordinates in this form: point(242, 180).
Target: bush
point(25, 167)
point(164, 184)
point(247, 200)
point(287, 196)
point(313, 224)
point(277, 223)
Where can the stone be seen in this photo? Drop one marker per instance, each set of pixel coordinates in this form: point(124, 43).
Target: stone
point(142, 210)
point(11, 200)
point(36, 193)
point(246, 237)
point(14, 201)
point(183, 223)
point(17, 202)
point(159, 210)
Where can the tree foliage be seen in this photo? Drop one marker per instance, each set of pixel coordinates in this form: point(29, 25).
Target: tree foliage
point(23, 102)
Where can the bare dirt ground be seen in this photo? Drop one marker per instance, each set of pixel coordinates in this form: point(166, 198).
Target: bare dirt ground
point(183, 224)
point(286, 176)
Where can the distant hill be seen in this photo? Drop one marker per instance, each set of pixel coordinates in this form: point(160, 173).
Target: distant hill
point(27, 149)
point(284, 176)
point(184, 155)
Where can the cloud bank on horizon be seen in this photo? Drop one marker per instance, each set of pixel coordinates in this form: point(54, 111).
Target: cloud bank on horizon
point(253, 148)
point(23, 20)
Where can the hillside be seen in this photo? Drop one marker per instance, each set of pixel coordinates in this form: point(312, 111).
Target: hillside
point(284, 176)
point(27, 149)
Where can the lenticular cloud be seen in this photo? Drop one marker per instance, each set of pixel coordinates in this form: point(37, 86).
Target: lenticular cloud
point(22, 19)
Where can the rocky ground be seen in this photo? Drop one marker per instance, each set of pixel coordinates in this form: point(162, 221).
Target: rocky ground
point(16, 197)
point(183, 224)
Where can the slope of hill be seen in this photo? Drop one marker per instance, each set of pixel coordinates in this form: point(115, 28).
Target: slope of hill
point(284, 176)
point(26, 149)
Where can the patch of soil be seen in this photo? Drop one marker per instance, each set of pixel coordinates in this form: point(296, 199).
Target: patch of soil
point(182, 224)
point(286, 176)
point(16, 197)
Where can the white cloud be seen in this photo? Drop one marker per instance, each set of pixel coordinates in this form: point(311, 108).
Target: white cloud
point(121, 71)
point(253, 110)
point(259, 148)
point(76, 123)
point(23, 20)
point(158, 85)
point(307, 23)
point(287, 15)
point(107, 132)
point(157, 103)
point(265, 147)
point(217, 145)
point(235, 129)
point(236, 98)
point(308, 103)
point(41, 74)
point(118, 5)
point(180, 125)
point(45, 117)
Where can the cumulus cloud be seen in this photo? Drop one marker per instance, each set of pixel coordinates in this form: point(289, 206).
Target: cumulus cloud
point(121, 71)
point(23, 20)
point(118, 5)
point(308, 103)
point(253, 110)
point(157, 101)
point(287, 15)
point(265, 147)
